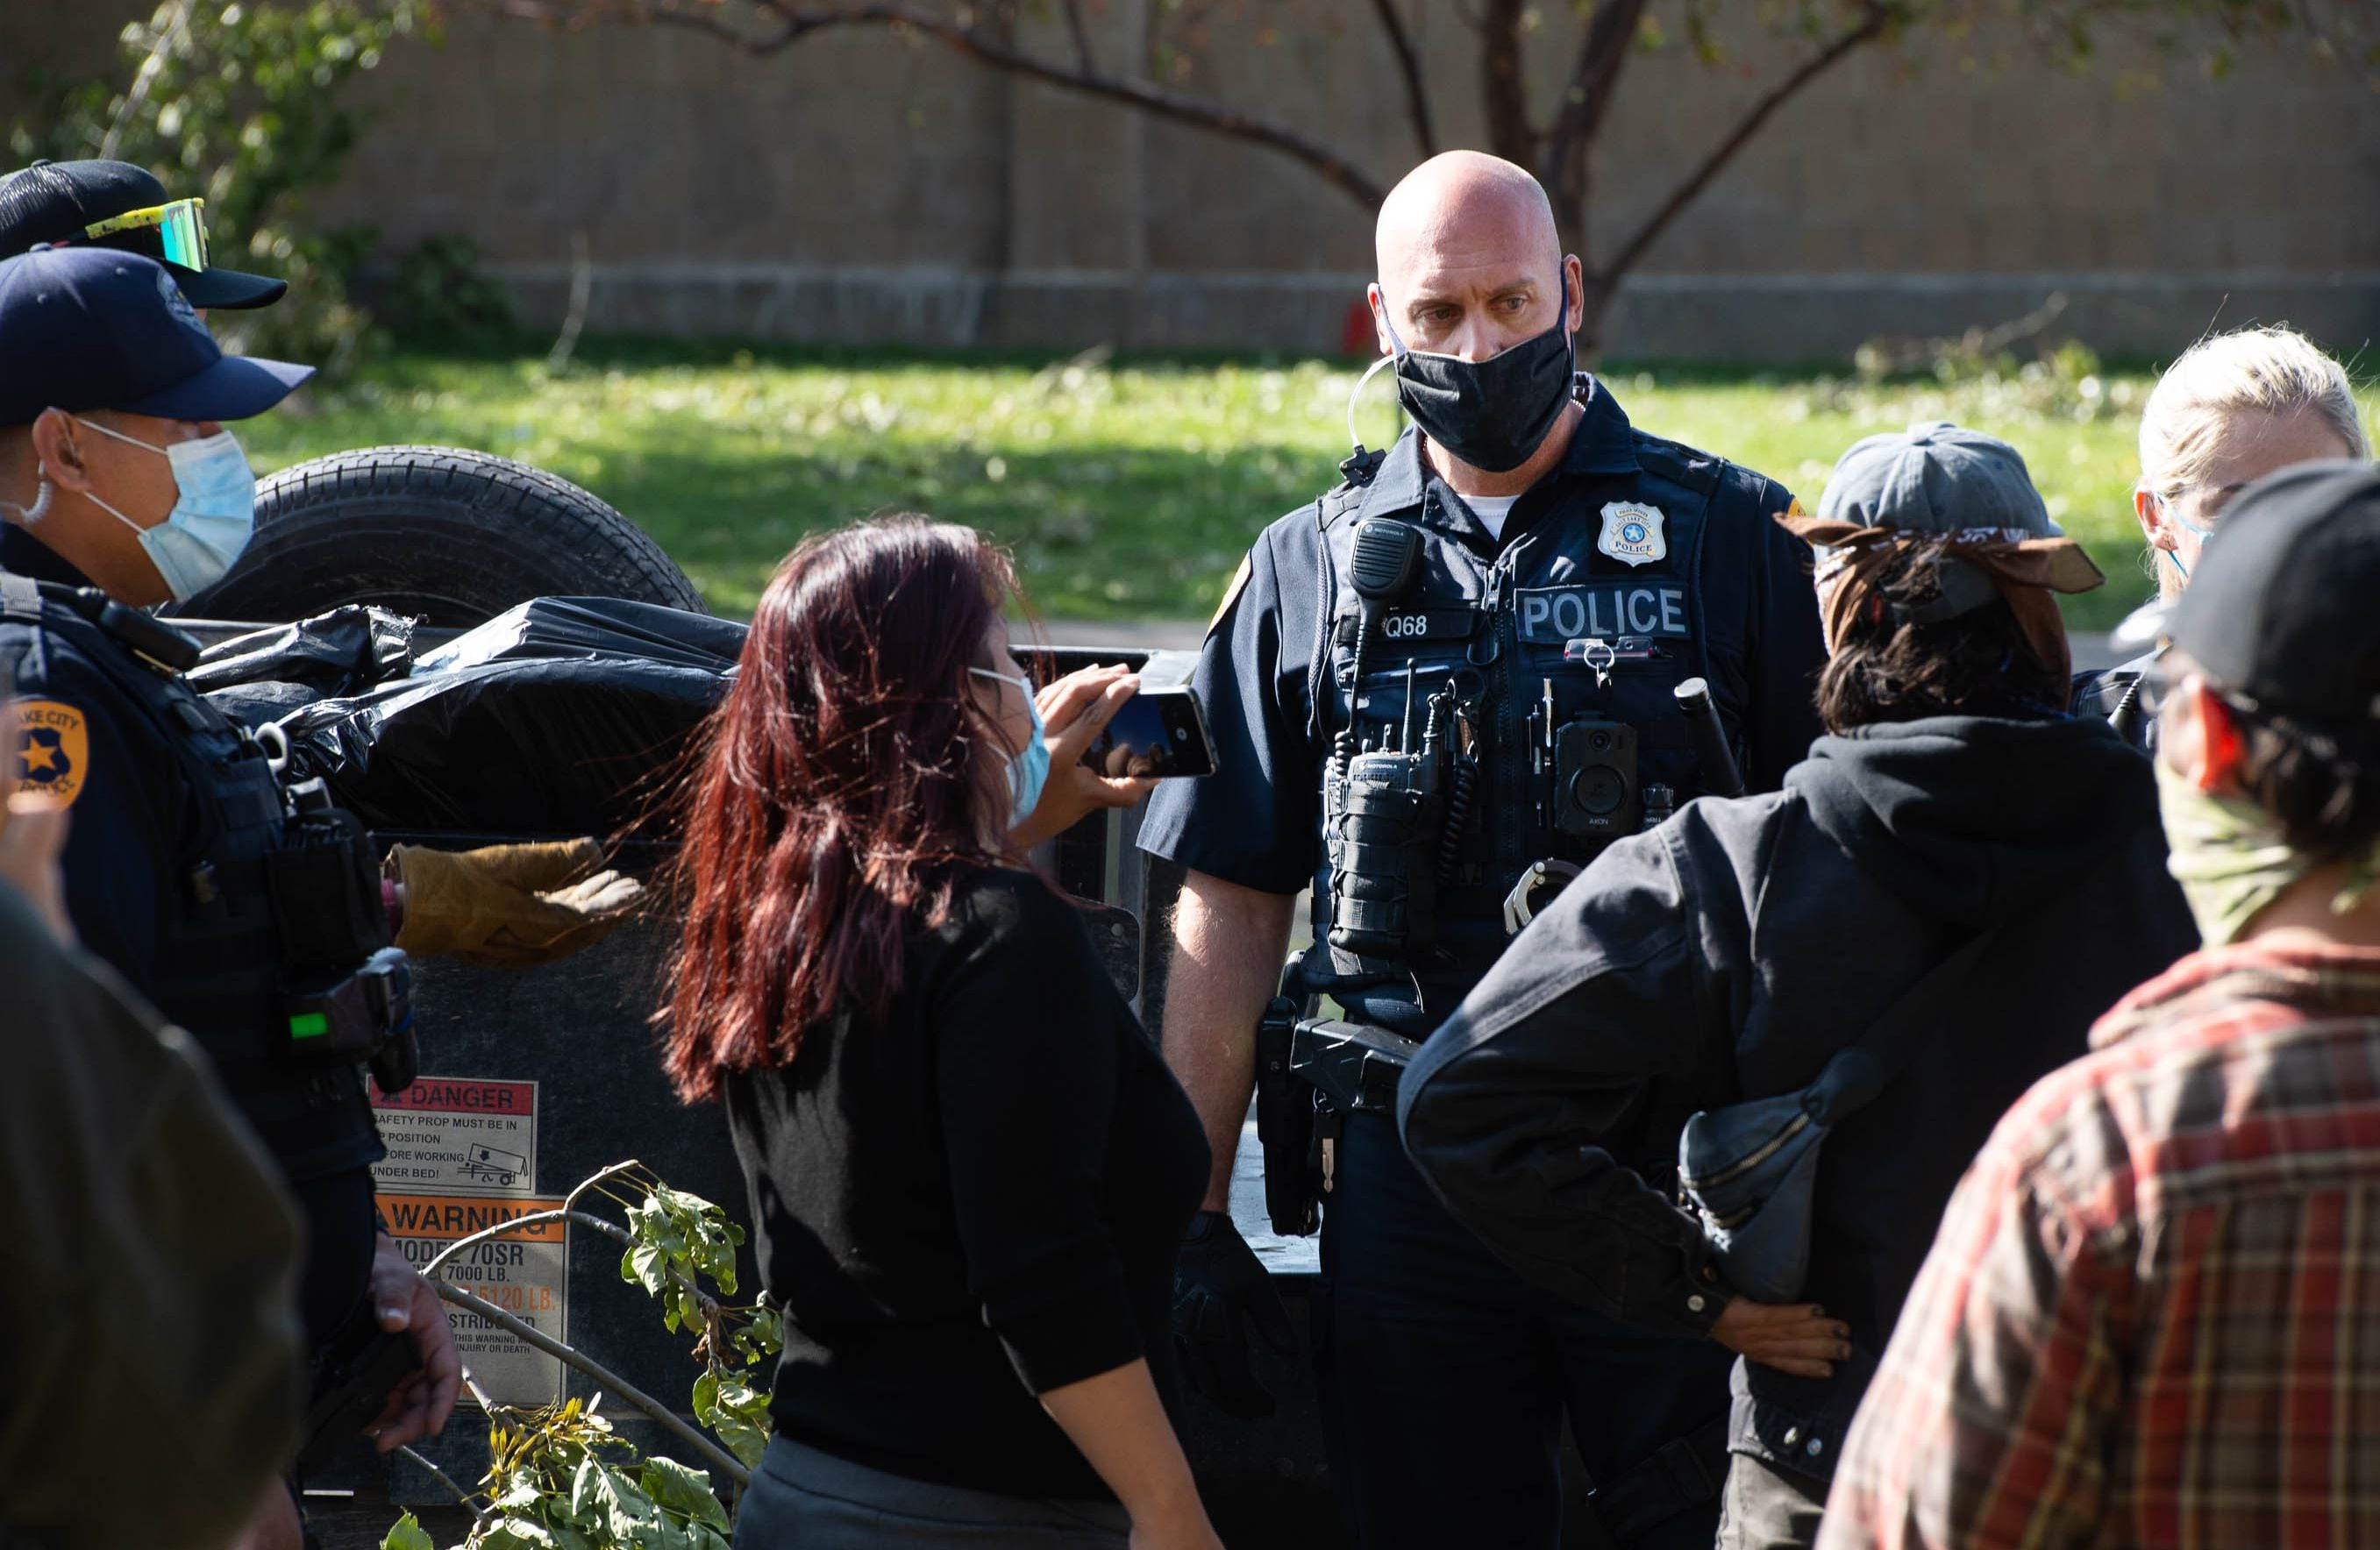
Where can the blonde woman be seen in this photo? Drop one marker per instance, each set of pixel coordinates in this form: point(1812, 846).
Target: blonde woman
point(2234, 408)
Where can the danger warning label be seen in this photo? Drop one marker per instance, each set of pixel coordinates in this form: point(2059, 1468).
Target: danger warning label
point(524, 1271)
point(453, 1134)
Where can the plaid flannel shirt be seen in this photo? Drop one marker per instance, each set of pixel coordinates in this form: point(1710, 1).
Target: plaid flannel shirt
point(2151, 1315)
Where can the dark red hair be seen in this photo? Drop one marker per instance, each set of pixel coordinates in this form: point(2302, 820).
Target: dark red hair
point(839, 795)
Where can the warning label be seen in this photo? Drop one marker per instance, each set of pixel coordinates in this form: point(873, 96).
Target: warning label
point(459, 1135)
point(525, 1272)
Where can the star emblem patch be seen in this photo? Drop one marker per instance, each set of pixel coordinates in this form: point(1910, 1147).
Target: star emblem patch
point(1632, 533)
point(51, 752)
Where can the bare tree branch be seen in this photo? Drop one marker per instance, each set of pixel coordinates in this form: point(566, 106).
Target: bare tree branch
point(1603, 52)
point(1082, 35)
point(1409, 65)
point(145, 80)
point(1504, 85)
point(462, 1497)
point(1878, 17)
point(955, 31)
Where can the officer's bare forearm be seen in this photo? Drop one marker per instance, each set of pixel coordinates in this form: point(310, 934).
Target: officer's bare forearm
point(1228, 946)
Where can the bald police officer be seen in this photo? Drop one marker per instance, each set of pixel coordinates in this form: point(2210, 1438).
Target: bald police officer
point(248, 915)
point(1436, 693)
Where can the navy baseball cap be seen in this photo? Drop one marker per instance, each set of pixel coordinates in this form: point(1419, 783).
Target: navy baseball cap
point(1935, 477)
point(91, 328)
point(62, 202)
point(2279, 606)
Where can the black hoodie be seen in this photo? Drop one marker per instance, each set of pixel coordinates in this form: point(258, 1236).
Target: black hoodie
point(1727, 954)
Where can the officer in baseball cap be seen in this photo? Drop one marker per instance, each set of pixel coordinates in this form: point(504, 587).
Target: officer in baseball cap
point(120, 206)
point(112, 450)
point(250, 914)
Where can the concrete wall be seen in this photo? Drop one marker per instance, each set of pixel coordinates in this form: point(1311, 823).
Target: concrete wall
point(861, 189)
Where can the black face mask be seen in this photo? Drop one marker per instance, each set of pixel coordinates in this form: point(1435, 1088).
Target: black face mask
point(1492, 414)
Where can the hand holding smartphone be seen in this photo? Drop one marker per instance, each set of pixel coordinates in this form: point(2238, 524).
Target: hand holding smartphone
point(1158, 732)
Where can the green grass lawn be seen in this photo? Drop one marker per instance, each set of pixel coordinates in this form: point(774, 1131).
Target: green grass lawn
point(1127, 490)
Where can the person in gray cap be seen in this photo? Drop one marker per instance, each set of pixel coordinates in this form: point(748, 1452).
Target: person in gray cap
point(1908, 901)
point(2146, 1319)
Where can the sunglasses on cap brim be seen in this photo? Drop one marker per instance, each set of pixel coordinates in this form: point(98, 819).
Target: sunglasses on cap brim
point(174, 232)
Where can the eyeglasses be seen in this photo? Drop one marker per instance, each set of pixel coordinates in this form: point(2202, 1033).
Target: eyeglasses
point(175, 232)
point(2217, 496)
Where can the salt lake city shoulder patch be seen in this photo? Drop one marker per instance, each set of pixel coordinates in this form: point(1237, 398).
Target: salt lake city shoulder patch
point(51, 752)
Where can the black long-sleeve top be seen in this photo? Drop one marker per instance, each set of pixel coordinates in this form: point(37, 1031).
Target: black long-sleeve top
point(973, 1202)
point(1727, 954)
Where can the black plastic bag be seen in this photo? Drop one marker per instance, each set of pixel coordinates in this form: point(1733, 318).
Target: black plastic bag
point(556, 717)
point(266, 673)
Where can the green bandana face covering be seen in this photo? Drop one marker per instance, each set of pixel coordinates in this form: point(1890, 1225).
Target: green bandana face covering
point(2230, 858)
point(2227, 853)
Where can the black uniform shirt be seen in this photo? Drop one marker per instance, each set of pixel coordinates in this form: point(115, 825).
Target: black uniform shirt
point(131, 810)
point(27, 555)
point(170, 811)
point(1742, 579)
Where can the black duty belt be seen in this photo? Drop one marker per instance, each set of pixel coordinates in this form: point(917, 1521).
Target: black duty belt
point(1353, 1066)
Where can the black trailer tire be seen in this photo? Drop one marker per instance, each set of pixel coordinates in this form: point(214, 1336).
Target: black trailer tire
point(454, 537)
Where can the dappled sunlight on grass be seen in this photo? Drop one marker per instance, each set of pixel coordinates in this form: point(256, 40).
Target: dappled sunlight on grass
point(1127, 490)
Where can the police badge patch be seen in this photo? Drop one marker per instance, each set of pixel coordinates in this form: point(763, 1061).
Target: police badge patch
point(1631, 533)
point(51, 753)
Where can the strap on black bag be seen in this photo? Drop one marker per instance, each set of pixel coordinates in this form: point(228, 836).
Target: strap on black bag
point(1856, 1074)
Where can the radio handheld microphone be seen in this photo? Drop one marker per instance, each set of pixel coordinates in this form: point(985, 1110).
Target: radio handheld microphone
point(1380, 569)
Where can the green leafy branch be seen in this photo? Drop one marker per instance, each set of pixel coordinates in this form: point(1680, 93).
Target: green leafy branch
point(681, 1241)
point(559, 1477)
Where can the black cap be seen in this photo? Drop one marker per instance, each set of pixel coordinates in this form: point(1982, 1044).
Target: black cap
point(56, 201)
point(2284, 604)
point(91, 328)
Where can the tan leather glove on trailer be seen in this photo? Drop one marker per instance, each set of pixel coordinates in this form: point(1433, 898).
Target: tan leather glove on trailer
point(510, 906)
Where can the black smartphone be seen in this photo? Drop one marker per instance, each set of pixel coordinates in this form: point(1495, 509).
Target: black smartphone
point(1157, 732)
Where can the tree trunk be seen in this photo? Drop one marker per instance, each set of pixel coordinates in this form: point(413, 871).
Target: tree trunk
point(1504, 88)
point(1566, 184)
point(1601, 292)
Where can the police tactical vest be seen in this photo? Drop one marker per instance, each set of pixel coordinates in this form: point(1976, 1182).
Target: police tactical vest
point(1552, 638)
point(220, 968)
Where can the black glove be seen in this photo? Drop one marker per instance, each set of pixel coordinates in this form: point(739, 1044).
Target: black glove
point(1223, 1305)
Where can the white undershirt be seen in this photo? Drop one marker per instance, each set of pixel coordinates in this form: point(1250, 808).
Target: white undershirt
point(1491, 511)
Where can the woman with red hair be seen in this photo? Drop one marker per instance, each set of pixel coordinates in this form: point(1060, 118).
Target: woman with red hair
point(968, 1168)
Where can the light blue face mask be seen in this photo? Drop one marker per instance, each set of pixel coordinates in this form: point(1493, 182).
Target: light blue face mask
point(212, 517)
point(1027, 771)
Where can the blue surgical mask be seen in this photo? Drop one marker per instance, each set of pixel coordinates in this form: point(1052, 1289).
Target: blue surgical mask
point(1027, 771)
point(212, 517)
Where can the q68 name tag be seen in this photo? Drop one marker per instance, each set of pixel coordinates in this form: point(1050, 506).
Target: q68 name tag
point(1557, 615)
